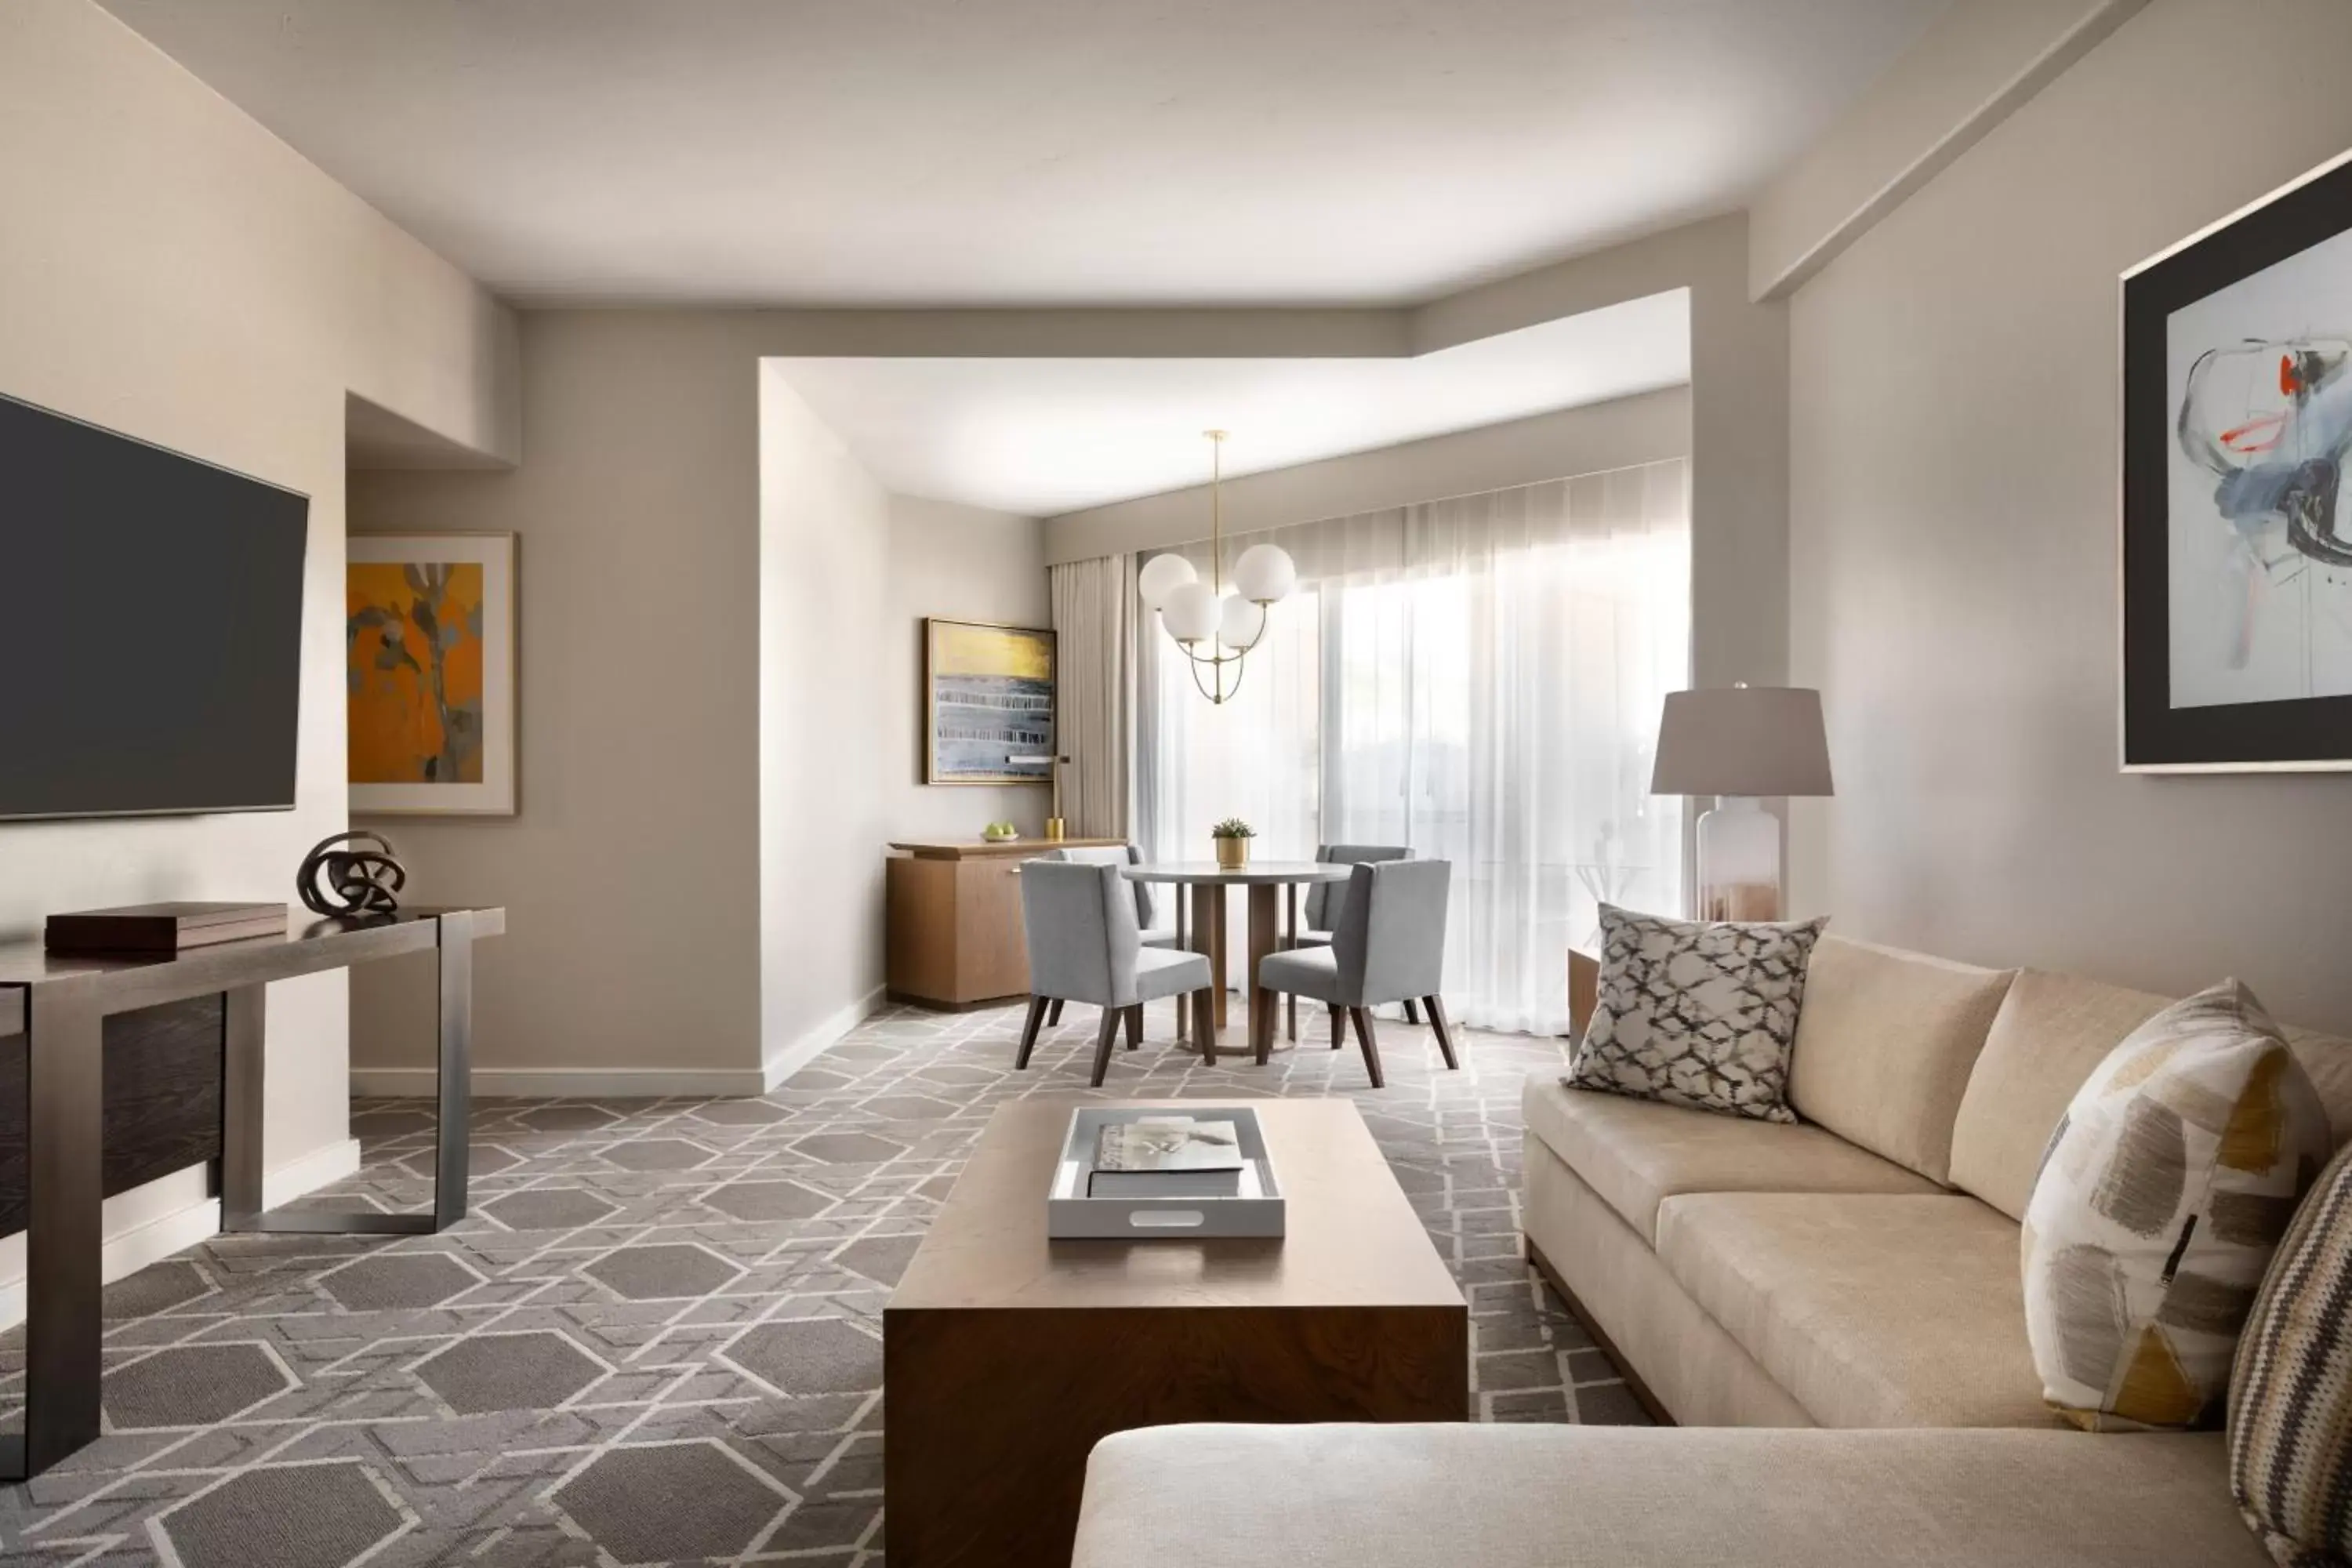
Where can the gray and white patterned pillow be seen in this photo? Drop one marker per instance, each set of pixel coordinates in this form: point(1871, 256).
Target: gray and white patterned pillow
point(1697, 1014)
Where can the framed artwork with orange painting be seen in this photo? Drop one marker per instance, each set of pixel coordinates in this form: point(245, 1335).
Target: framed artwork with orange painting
point(429, 673)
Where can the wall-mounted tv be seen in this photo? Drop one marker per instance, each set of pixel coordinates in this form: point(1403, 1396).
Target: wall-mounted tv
point(151, 627)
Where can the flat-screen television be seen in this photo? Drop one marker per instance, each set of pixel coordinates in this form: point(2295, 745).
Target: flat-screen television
point(150, 626)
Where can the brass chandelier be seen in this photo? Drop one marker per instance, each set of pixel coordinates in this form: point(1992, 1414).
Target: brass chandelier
point(1193, 612)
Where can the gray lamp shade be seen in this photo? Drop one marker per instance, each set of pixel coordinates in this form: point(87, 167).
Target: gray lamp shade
point(1742, 741)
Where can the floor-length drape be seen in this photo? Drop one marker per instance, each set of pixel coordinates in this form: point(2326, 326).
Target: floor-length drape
point(1479, 679)
point(1093, 631)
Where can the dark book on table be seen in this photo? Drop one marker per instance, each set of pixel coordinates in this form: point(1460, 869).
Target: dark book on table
point(1172, 1157)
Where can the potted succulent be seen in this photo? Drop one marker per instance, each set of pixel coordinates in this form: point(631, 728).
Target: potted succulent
point(1232, 836)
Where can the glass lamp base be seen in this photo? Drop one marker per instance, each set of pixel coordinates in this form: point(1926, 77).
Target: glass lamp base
point(1739, 862)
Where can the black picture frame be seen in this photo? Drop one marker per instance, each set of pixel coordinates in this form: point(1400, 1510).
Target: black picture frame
point(2305, 734)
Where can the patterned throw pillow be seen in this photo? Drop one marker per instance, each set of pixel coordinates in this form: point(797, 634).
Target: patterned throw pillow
point(2291, 1394)
point(1702, 1014)
point(2162, 1194)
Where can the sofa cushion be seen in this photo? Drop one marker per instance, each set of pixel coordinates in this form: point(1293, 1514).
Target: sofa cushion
point(1697, 1014)
point(2052, 1031)
point(1871, 1311)
point(1884, 1045)
point(1618, 1497)
point(2169, 1182)
point(1636, 1154)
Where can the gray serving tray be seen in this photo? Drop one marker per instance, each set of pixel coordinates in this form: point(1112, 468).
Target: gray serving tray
point(1071, 1215)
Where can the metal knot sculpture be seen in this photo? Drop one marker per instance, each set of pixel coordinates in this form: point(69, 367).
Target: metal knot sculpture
point(365, 880)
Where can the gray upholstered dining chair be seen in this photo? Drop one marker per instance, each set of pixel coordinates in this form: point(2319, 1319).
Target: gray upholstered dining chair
point(1117, 854)
point(1085, 946)
point(1326, 900)
point(1388, 946)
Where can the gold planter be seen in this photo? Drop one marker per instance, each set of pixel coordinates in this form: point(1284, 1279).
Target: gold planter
point(1232, 854)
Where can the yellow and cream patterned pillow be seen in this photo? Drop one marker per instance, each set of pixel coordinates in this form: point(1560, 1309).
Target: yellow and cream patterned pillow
point(2162, 1194)
point(2291, 1394)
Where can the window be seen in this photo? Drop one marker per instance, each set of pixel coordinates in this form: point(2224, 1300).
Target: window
point(1479, 681)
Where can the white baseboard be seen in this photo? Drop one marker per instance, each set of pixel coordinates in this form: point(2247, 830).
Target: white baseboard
point(566, 1083)
point(630, 1083)
point(171, 1214)
point(311, 1172)
point(811, 1044)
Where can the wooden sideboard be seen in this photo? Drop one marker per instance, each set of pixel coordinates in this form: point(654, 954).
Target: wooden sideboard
point(955, 937)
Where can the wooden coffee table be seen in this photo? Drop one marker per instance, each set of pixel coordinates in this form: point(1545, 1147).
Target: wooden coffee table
point(1006, 1355)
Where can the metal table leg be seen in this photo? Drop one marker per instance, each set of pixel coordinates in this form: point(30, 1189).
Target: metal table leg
point(64, 1083)
point(241, 1121)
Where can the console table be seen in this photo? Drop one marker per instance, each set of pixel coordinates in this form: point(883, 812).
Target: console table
point(59, 1003)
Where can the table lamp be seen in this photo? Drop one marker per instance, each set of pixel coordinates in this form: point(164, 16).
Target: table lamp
point(1055, 826)
point(1741, 744)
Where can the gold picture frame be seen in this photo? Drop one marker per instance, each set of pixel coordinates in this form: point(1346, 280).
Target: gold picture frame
point(989, 695)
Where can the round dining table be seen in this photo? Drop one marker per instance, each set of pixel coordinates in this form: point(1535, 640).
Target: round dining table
point(1273, 888)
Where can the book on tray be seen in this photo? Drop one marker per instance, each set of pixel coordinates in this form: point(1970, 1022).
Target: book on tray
point(1166, 1157)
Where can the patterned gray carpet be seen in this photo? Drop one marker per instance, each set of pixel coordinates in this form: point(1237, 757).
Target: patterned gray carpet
point(657, 1338)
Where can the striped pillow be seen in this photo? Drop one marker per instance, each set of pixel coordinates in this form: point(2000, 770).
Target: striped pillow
point(2291, 1392)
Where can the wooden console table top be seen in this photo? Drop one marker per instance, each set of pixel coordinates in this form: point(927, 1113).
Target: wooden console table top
point(982, 850)
point(308, 944)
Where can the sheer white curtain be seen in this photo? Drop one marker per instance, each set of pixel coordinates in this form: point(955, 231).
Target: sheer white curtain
point(1486, 680)
point(1255, 757)
point(1094, 629)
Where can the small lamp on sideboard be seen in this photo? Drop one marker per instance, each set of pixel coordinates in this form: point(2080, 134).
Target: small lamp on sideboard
point(1741, 744)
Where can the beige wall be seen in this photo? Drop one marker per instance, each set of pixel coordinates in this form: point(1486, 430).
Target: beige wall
point(631, 871)
point(1619, 432)
point(825, 718)
point(720, 716)
point(169, 269)
point(966, 564)
point(1953, 444)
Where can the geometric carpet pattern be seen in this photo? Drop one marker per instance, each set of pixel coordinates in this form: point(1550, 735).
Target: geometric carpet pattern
point(657, 1337)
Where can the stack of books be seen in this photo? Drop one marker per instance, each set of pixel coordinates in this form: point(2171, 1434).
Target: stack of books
point(1166, 1157)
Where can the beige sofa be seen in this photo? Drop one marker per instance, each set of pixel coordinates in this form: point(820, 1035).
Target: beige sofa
point(1859, 1270)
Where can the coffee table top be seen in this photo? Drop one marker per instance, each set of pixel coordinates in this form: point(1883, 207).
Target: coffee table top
point(1353, 1239)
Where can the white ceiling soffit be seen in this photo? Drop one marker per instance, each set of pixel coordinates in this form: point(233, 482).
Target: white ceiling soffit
point(1032, 151)
point(1042, 436)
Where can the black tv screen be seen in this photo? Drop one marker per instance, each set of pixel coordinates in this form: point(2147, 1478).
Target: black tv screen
point(150, 626)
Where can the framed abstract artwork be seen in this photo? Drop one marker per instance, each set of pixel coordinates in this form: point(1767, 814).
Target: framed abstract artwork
point(988, 703)
point(429, 673)
point(2237, 524)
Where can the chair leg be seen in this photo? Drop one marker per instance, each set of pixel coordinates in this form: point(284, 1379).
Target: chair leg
point(1134, 1026)
point(1053, 1014)
point(1363, 1017)
point(1412, 1015)
point(1205, 1024)
point(1339, 1025)
point(1290, 943)
point(1264, 1018)
point(1104, 1038)
point(1037, 1006)
point(1445, 1035)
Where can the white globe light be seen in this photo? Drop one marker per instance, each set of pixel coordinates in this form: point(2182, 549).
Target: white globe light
point(1190, 613)
point(1240, 621)
point(1265, 573)
point(1162, 576)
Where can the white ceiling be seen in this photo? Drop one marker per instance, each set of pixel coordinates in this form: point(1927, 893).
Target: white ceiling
point(1043, 152)
point(1042, 437)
